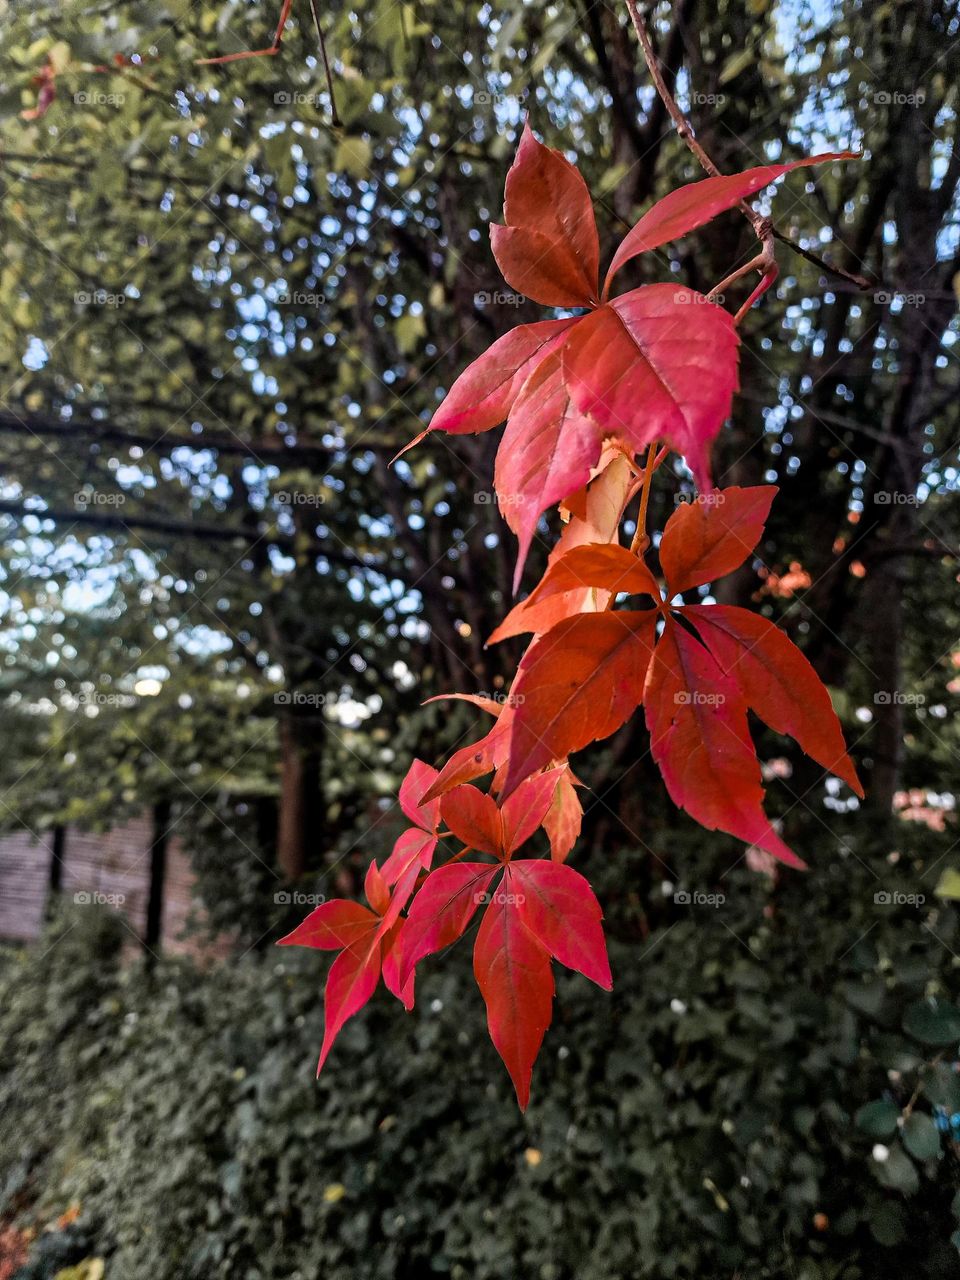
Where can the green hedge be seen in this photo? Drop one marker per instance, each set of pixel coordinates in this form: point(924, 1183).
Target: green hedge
point(714, 1117)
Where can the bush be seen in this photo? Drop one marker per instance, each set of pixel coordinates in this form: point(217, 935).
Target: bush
point(715, 1116)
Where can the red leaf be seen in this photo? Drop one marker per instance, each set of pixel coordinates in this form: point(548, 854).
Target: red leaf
point(579, 682)
point(513, 972)
point(564, 817)
point(414, 847)
point(549, 248)
point(475, 760)
point(332, 926)
point(691, 206)
point(711, 537)
point(559, 908)
point(351, 982)
point(482, 396)
point(392, 952)
point(419, 778)
point(656, 363)
point(442, 909)
point(597, 565)
point(375, 888)
point(776, 681)
point(473, 818)
point(526, 809)
point(701, 743)
point(547, 452)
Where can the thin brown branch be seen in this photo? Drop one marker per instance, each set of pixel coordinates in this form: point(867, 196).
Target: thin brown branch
point(334, 117)
point(90, 433)
point(765, 231)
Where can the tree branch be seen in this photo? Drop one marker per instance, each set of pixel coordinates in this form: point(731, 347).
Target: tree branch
point(272, 450)
point(764, 229)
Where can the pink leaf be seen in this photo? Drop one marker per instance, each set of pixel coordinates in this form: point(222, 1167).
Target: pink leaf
point(691, 206)
point(547, 453)
point(658, 363)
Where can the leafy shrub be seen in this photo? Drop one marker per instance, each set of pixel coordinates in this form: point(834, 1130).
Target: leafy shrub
point(715, 1116)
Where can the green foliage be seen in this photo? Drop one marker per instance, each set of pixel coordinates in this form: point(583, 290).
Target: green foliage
point(719, 1114)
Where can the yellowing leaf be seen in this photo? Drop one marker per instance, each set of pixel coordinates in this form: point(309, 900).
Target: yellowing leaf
point(353, 157)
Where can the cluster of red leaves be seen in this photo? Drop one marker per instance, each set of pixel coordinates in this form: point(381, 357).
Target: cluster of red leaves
point(582, 397)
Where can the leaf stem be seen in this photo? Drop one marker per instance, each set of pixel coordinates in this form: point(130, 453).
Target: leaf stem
point(640, 540)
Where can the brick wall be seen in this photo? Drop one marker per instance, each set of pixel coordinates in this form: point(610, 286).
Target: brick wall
point(111, 868)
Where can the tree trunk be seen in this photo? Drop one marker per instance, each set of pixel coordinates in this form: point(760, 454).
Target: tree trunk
point(298, 819)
